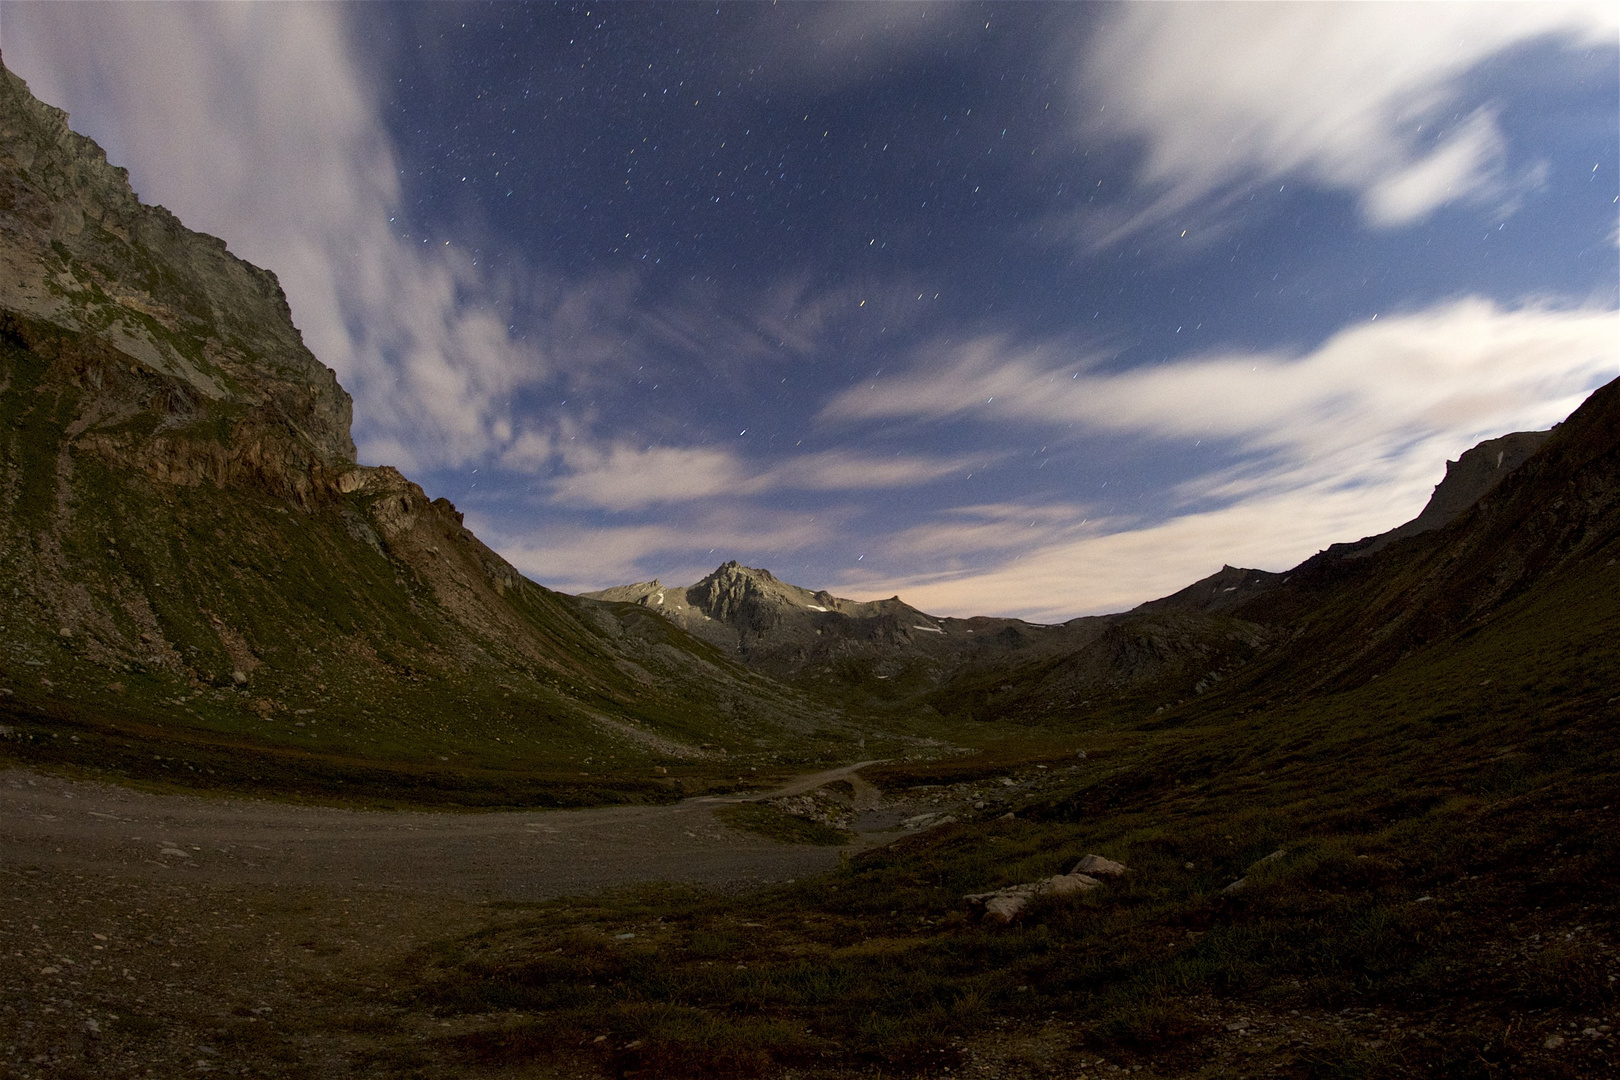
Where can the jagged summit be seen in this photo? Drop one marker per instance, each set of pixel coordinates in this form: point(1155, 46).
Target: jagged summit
point(786, 629)
point(749, 602)
point(1468, 479)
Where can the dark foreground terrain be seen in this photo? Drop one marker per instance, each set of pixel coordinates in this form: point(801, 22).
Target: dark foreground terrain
point(1430, 866)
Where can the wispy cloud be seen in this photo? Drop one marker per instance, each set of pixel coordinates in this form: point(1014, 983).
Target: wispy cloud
point(614, 476)
point(1338, 443)
point(1353, 97)
point(846, 470)
point(831, 45)
point(1094, 570)
point(580, 558)
point(1465, 368)
point(619, 477)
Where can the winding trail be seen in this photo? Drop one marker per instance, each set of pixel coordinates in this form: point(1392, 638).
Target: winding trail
point(67, 825)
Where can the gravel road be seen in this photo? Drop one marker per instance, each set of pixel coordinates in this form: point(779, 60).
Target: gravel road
point(69, 825)
point(151, 935)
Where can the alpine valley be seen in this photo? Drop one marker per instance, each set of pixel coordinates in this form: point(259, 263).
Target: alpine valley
point(1357, 818)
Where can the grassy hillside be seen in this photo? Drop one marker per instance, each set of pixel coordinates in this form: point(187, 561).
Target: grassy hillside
point(229, 630)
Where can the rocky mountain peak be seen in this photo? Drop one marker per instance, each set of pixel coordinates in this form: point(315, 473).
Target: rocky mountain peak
point(743, 596)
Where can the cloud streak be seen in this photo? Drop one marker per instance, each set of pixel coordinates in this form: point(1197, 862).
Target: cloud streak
point(581, 558)
point(1466, 368)
point(1340, 442)
point(1352, 97)
point(618, 477)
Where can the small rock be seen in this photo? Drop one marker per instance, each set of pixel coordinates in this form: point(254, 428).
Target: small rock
point(979, 804)
point(1236, 886)
point(1553, 1042)
point(66, 631)
point(1006, 906)
point(52, 970)
point(1064, 884)
point(238, 676)
point(1097, 866)
point(1079, 753)
point(92, 1026)
point(1008, 816)
point(1190, 866)
point(1007, 781)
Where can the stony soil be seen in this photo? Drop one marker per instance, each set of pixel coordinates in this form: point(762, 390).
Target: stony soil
point(165, 935)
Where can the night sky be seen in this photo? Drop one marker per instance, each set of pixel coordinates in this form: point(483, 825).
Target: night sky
point(1011, 309)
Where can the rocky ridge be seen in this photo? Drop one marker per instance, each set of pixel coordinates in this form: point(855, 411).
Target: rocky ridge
point(83, 253)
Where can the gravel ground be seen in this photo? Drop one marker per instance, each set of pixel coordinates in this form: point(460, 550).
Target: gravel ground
point(64, 826)
point(173, 935)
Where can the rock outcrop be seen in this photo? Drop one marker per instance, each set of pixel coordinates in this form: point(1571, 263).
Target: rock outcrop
point(1007, 904)
point(82, 252)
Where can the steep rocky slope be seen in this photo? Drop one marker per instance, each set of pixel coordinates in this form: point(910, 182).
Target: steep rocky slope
point(1512, 514)
point(190, 556)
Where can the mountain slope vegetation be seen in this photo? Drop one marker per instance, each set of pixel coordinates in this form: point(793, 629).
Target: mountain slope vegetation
point(194, 562)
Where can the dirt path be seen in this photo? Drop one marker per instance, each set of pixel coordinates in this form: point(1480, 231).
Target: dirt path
point(166, 935)
point(866, 796)
point(516, 856)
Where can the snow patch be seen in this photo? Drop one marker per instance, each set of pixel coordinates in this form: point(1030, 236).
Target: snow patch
point(815, 607)
point(930, 629)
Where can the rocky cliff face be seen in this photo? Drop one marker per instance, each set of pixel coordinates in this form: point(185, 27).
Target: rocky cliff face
point(82, 252)
point(1468, 479)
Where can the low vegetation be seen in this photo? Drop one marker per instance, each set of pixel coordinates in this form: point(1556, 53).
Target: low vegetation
point(767, 820)
point(1428, 868)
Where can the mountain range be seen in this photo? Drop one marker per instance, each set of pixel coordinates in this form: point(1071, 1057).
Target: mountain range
point(193, 559)
point(887, 652)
